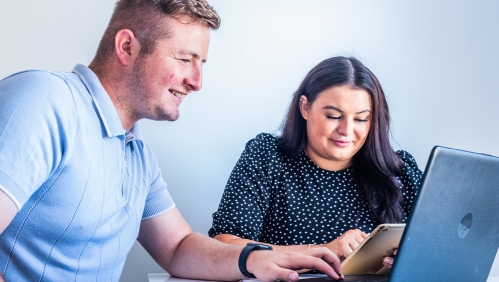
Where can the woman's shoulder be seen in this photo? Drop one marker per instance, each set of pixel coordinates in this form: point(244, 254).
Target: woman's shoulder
point(263, 148)
point(410, 168)
point(407, 158)
point(262, 142)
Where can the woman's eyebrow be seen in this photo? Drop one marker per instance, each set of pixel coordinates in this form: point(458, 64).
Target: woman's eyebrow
point(341, 111)
point(332, 108)
point(364, 111)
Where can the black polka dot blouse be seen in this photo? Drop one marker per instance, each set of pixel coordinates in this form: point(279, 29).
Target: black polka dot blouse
point(274, 199)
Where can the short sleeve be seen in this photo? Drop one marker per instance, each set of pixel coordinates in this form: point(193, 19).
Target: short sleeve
point(410, 180)
point(245, 201)
point(159, 199)
point(37, 127)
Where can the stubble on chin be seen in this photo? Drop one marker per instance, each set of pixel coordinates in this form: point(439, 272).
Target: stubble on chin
point(164, 115)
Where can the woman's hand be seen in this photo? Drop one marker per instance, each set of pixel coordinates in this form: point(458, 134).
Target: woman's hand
point(344, 245)
point(388, 260)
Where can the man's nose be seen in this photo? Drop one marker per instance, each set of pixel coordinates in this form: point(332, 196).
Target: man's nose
point(195, 79)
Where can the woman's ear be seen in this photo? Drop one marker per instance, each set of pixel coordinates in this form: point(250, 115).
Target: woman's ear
point(126, 46)
point(304, 106)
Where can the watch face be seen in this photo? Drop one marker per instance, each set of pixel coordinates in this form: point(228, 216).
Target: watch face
point(260, 246)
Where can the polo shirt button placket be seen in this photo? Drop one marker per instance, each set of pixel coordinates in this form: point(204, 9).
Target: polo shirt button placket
point(129, 137)
point(123, 168)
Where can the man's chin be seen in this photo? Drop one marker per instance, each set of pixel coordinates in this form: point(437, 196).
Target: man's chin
point(168, 118)
point(162, 116)
point(172, 119)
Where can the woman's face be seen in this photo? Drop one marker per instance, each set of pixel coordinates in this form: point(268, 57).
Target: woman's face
point(338, 122)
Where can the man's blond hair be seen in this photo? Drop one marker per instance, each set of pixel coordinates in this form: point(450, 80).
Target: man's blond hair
point(144, 19)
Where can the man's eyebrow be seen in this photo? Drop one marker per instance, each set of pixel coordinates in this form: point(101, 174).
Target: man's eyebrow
point(193, 54)
point(341, 111)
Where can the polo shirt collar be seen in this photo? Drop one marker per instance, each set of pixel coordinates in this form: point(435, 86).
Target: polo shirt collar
point(105, 107)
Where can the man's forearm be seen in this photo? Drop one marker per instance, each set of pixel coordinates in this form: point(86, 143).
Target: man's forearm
point(200, 257)
point(235, 240)
point(171, 242)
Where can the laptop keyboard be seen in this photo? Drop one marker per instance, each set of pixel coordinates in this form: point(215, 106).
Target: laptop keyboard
point(348, 278)
point(356, 279)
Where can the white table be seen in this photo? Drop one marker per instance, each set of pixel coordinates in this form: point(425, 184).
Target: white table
point(165, 277)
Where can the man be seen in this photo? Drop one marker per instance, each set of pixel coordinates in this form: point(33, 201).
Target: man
point(78, 185)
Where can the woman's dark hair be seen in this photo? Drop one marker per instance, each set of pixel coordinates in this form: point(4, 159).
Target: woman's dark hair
point(376, 164)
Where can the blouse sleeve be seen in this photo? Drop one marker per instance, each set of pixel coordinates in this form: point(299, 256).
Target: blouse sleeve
point(410, 180)
point(243, 207)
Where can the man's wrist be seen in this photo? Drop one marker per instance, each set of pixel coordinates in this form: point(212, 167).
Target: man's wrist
point(243, 257)
point(313, 246)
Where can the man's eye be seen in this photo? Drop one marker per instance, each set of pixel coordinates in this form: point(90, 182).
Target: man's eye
point(185, 60)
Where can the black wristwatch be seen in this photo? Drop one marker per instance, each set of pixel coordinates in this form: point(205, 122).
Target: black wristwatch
point(244, 256)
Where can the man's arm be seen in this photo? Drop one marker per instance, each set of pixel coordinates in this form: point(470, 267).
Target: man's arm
point(342, 246)
point(8, 210)
point(171, 242)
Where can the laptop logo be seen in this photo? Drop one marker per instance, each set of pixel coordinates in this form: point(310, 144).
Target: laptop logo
point(465, 225)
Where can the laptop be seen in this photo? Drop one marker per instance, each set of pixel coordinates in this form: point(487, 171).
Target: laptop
point(453, 230)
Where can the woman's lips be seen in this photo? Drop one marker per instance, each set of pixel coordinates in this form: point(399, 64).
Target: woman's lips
point(341, 143)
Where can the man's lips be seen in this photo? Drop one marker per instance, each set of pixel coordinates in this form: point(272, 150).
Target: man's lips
point(177, 94)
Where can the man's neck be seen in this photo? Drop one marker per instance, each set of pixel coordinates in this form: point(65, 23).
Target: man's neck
point(111, 85)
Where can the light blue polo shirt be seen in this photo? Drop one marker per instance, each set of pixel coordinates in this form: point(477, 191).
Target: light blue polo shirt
point(81, 182)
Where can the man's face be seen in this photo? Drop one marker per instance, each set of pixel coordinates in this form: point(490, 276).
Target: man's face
point(161, 80)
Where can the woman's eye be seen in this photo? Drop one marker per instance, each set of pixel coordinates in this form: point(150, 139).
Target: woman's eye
point(361, 120)
point(333, 117)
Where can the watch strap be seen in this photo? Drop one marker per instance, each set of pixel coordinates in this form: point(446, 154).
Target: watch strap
point(243, 257)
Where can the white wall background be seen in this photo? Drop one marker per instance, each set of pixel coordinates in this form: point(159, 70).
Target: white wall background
point(437, 61)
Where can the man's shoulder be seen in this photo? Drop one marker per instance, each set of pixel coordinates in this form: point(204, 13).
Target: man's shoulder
point(36, 78)
point(37, 84)
point(37, 94)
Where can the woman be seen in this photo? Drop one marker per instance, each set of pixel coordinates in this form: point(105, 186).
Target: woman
point(330, 178)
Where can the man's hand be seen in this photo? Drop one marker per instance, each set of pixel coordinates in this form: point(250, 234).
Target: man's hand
point(281, 265)
point(344, 245)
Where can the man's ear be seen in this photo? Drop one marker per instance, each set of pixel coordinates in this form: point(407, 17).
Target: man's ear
point(126, 46)
point(304, 106)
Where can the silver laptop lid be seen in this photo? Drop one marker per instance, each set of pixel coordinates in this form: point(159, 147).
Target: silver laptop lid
point(453, 231)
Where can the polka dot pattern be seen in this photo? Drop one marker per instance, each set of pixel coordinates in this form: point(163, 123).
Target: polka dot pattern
point(274, 199)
